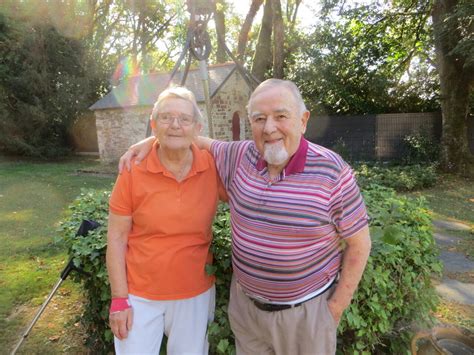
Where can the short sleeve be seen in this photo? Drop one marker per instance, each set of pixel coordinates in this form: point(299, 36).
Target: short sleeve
point(347, 208)
point(227, 156)
point(121, 198)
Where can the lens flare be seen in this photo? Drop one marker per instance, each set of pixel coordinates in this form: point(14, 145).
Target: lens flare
point(72, 19)
point(126, 68)
point(132, 89)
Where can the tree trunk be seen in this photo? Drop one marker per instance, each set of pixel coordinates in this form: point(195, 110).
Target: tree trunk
point(454, 88)
point(219, 19)
point(262, 60)
point(245, 29)
point(278, 40)
point(291, 12)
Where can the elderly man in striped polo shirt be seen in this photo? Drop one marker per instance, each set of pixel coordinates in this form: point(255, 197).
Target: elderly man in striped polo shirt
point(300, 237)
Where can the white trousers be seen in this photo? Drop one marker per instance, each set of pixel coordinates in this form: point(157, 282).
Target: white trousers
point(183, 321)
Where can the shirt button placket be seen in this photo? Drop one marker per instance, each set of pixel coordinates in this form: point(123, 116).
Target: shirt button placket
point(178, 192)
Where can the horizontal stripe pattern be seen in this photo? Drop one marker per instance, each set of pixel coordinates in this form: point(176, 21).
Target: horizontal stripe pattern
point(286, 234)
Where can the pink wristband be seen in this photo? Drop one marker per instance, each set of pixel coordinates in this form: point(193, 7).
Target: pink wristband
point(119, 305)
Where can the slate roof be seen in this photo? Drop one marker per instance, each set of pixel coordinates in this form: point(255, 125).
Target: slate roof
point(143, 90)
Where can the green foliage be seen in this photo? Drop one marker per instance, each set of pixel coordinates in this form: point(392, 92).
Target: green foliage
point(89, 254)
point(419, 149)
point(221, 338)
point(44, 84)
point(451, 198)
point(400, 178)
point(370, 58)
point(395, 291)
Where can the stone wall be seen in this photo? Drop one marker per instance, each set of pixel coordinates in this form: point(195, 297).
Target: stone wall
point(232, 97)
point(117, 129)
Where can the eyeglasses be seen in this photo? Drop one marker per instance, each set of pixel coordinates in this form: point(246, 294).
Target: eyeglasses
point(183, 119)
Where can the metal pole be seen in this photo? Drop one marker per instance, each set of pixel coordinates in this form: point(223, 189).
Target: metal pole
point(205, 85)
point(27, 332)
point(84, 228)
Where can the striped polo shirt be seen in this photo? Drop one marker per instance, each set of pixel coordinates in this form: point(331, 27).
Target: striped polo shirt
point(287, 233)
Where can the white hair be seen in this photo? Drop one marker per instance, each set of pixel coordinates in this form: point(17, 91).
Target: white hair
point(291, 86)
point(179, 92)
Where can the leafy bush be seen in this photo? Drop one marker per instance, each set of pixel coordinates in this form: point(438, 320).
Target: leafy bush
point(400, 178)
point(89, 254)
point(395, 291)
point(46, 80)
point(221, 339)
point(419, 149)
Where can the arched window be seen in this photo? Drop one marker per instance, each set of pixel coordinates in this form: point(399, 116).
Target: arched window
point(236, 126)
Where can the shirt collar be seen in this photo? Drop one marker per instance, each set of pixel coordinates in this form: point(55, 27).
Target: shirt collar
point(295, 164)
point(154, 165)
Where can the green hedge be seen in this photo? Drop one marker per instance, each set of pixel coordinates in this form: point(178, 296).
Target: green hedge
point(400, 178)
point(89, 254)
point(395, 292)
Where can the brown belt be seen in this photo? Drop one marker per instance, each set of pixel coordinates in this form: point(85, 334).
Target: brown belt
point(271, 307)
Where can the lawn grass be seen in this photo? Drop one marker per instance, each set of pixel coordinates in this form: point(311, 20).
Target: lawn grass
point(33, 198)
point(456, 314)
point(452, 198)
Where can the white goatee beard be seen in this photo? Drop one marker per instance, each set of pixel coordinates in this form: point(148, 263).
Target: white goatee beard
point(275, 154)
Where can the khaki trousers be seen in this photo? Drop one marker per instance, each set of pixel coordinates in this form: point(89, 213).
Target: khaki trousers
point(308, 329)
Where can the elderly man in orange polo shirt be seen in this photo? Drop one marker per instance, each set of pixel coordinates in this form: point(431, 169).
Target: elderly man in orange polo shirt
point(159, 236)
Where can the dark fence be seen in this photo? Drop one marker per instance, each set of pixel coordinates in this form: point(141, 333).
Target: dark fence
point(380, 137)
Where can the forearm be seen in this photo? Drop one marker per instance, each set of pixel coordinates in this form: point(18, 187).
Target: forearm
point(353, 264)
point(116, 267)
point(117, 239)
point(147, 142)
point(204, 142)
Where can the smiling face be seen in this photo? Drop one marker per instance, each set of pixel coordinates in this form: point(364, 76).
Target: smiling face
point(277, 124)
point(173, 135)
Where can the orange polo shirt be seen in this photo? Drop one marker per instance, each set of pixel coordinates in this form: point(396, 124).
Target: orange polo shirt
point(168, 245)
